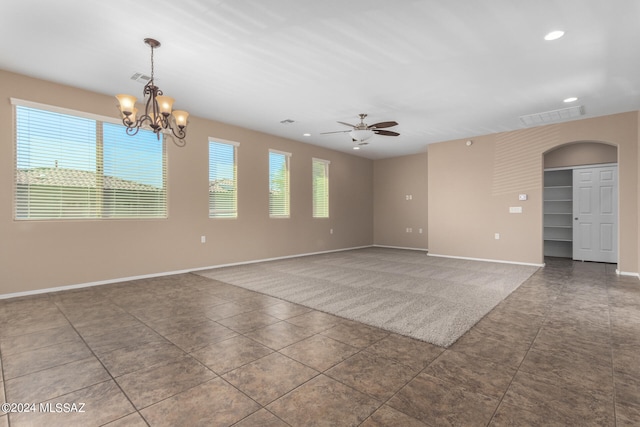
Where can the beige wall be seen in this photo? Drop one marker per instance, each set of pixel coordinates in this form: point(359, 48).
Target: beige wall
point(43, 254)
point(464, 192)
point(393, 180)
point(584, 153)
point(472, 188)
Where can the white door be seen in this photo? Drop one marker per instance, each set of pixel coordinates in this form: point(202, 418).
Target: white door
point(595, 214)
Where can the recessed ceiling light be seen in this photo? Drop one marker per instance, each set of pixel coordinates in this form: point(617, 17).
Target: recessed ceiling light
point(356, 148)
point(571, 99)
point(306, 134)
point(554, 35)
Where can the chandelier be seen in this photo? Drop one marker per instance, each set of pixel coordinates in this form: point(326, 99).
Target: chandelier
point(159, 115)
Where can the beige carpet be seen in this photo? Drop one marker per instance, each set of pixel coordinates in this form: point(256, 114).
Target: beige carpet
point(429, 298)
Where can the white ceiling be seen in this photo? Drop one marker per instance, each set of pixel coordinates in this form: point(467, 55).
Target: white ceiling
point(442, 69)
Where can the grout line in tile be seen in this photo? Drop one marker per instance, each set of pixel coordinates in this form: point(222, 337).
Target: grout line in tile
point(102, 364)
point(613, 377)
point(524, 358)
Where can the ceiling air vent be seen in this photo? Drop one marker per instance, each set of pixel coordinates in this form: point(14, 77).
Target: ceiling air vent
point(552, 116)
point(141, 78)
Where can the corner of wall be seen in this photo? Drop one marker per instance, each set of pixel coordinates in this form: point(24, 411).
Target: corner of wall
point(638, 189)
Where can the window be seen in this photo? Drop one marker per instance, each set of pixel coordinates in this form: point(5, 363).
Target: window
point(223, 186)
point(279, 184)
point(72, 166)
point(320, 176)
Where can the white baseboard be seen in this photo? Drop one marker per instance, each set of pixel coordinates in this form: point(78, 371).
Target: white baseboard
point(90, 284)
point(278, 258)
point(626, 273)
point(401, 247)
point(166, 273)
point(487, 260)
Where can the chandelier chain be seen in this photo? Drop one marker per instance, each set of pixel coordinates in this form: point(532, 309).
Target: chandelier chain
point(151, 63)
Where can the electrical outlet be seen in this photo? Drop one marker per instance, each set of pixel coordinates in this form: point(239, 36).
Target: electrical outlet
point(331, 231)
point(203, 239)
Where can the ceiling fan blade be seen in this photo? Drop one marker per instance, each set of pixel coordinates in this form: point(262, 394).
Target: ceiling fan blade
point(337, 131)
point(385, 132)
point(383, 125)
point(347, 124)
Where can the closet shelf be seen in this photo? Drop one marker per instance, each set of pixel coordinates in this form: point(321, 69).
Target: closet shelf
point(558, 213)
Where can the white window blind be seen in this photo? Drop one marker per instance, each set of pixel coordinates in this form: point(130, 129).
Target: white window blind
point(279, 184)
point(223, 186)
point(72, 167)
point(320, 177)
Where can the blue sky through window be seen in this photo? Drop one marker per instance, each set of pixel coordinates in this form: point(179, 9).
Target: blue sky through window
point(137, 158)
point(221, 164)
point(277, 166)
point(47, 139)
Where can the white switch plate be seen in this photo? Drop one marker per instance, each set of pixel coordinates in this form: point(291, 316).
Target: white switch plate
point(496, 236)
point(515, 209)
point(203, 239)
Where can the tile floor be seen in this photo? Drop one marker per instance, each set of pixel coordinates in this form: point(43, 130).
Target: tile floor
point(563, 349)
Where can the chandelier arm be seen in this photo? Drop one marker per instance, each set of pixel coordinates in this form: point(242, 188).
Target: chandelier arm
point(180, 134)
point(150, 108)
point(164, 121)
point(131, 130)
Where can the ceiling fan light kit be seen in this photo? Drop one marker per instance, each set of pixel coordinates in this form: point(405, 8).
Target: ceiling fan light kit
point(361, 135)
point(159, 115)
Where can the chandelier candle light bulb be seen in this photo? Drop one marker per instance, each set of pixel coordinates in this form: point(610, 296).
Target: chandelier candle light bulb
point(158, 113)
point(181, 118)
point(127, 103)
point(165, 103)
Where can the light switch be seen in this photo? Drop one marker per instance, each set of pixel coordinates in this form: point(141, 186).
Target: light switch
point(522, 197)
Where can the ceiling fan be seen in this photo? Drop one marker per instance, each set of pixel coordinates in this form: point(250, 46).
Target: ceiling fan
point(362, 132)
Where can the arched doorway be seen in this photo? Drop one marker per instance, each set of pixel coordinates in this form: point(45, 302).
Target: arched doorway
point(580, 207)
